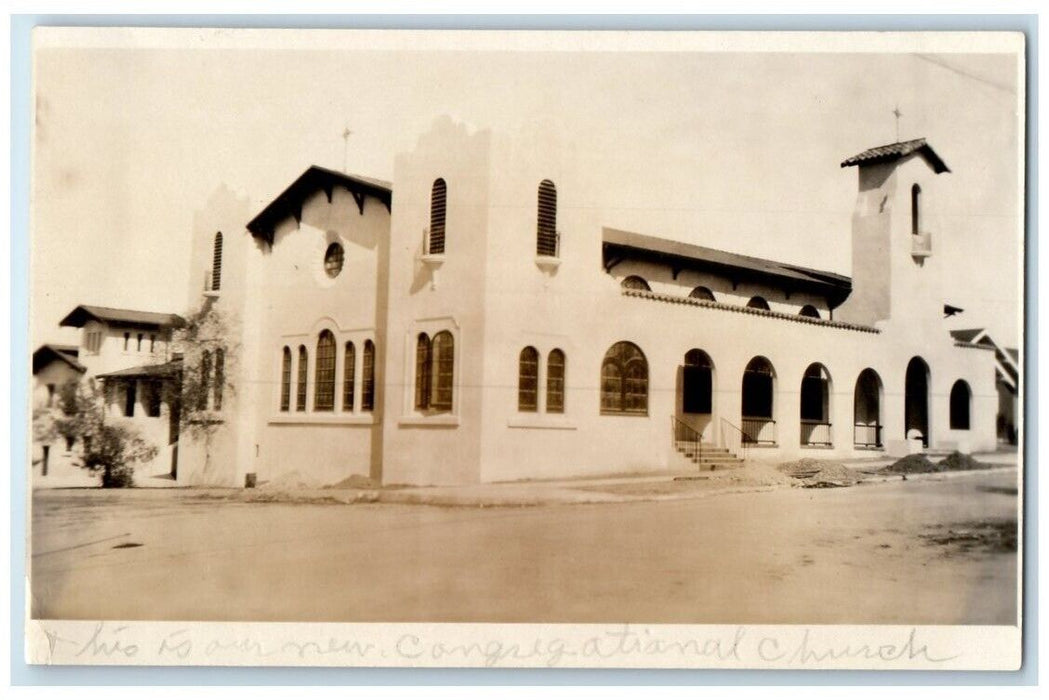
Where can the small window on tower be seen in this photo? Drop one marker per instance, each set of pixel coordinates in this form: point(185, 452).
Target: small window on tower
point(333, 258)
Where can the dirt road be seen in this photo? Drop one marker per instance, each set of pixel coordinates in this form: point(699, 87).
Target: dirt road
point(922, 551)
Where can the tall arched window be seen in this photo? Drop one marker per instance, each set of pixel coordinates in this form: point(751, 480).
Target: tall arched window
point(216, 263)
point(809, 311)
point(528, 380)
point(349, 368)
point(546, 230)
point(758, 393)
point(866, 430)
point(423, 371)
point(702, 293)
point(220, 378)
point(205, 381)
point(961, 399)
point(324, 375)
point(555, 382)
point(285, 379)
point(916, 196)
point(368, 378)
point(300, 393)
point(635, 282)
point(815, 406)
point(438, 206)
point(624, 380)
point(443, 371)
point(697, 391)
point(758, 303)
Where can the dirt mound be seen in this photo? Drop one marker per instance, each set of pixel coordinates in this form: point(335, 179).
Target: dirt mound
point(291, 481)
point(957, 462)
point(912, 464)
point(753, 474)
point(819, 473)
point(355, 482)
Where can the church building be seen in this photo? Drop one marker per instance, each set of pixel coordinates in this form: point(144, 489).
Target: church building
point(474, 321)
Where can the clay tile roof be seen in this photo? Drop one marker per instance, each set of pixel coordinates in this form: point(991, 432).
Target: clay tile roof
point(895, 151)
point(47, 353)
point(158, 371)
point(119, 317)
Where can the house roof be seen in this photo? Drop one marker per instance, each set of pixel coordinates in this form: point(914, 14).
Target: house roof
point(895, 151)
point(966, 335)
point(316, 179)
point(155, 371)
point(620, 245)
point(119, 317)
point(48, 353)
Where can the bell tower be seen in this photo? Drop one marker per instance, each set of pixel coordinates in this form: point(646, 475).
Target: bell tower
point(893, 230)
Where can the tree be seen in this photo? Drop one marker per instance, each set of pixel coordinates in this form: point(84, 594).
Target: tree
point(208, 362)
point(111, 447)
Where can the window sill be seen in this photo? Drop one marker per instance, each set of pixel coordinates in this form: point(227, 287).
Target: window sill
point(817, 447)
point(539, 422)
point(320, 419)
point(441, 420)
point(624, 414)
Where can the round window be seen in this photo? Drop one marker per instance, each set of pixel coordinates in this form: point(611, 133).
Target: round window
point(333, 260)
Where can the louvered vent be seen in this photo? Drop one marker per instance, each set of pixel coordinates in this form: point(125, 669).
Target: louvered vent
point(438, 204)
point(216, 265)
point(546, 235)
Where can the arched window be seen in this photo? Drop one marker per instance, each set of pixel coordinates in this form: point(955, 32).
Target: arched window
point(333, 259)
point(368, 378)
point(285, 379)
point(324, 375)
point(216, 263)
point(546, 230)
point(349, 368)
point(697, 383)
point(528, 380)
point(702, 293)
point(961, 399)
point(624, 380)
point(758, 303)
point(423, 370)
point(916, 399)
point(867, 410)
point(809, 311)
point(916, 196)
point(438, 205)
point(555, 382)
point(758, 394)
point(815, 406)
point(220, 378)
point(205, 381)
point(300, 393)
point(443, 371)
point(635, 282)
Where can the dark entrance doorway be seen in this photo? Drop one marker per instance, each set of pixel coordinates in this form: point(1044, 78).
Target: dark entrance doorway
point(697, 391)
point(916, 399)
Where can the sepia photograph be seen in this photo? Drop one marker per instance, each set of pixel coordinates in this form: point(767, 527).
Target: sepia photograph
point(680, 348)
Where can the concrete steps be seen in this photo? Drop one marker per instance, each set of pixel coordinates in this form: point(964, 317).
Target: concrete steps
point(708, 457)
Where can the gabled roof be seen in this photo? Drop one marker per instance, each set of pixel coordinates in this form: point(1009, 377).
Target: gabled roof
point(119, 317)
point(316, 179)
point(48, 353)
point(620, 245)
point(895, 151)
point(1007, 364)
point(158, 371)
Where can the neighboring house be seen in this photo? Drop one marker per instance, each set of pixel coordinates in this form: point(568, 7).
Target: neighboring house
point(1006, 379)
point(53, 367)
point(486, 324)
point(130, 353)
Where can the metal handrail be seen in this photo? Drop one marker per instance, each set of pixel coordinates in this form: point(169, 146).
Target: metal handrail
point(683, 432)
point(733, 439)
point(857, 427)
point(755, 439)
point(814, 424)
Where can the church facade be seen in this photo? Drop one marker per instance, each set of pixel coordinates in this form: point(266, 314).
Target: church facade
point(475, 321)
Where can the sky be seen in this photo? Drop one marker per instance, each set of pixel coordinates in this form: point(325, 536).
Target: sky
point(729, 149)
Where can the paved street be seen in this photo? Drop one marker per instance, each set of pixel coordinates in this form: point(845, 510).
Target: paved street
point(926, 551)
